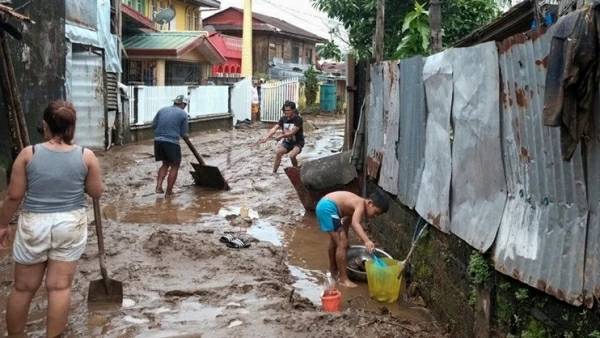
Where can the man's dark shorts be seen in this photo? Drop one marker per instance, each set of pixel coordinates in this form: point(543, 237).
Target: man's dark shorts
point(289, 146)
point(167, 152)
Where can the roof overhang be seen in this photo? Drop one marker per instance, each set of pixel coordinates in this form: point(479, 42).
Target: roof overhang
point(204, 3)
point(267, 29)
point(136, 20)
point(516, 20)
point(204, 46)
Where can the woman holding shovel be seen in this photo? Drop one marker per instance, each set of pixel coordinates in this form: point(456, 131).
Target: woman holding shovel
point(51, 235)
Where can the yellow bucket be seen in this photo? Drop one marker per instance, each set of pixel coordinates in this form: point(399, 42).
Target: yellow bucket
point(384, 284)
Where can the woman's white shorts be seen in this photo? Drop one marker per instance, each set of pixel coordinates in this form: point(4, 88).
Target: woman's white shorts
point(59, 236)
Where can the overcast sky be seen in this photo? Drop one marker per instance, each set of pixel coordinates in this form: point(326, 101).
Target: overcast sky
point(297, 12)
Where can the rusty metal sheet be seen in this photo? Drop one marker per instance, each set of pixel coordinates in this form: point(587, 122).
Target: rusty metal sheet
point(478, 187)
point(388, 177)
point(411, 139)
point(375, 118)
point(433, 202)
point(542, 236)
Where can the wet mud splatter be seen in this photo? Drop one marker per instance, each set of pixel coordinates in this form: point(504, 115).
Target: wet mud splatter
point(181, 281)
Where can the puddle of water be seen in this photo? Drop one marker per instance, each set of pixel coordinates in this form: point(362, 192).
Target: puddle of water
point(193, 311)
point(157, 209)
point(266, 232)
point(308, 263)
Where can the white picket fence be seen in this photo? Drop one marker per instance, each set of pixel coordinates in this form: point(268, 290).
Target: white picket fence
point(204, 100)
point(273, 96)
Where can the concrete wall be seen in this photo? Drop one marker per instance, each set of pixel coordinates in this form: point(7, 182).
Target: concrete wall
point(145, 132)
point(443, 272)
point(39, 63)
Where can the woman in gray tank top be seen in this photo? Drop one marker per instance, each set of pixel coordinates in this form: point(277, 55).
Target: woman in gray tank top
point(49, 179)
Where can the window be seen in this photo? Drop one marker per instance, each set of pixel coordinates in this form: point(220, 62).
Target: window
point(192, 14)
point(189, 18)
point(295, 54)
point(309, 56)
point(139, 6)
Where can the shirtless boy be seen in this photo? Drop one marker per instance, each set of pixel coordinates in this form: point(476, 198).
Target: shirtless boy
point(336, 211)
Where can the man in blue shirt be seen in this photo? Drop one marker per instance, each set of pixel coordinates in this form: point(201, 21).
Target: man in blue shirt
point(169, 124)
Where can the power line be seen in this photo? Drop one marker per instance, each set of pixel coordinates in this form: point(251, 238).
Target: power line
point(283, 8)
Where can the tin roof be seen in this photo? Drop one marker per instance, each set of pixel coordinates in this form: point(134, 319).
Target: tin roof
point(171, 44)
point(268, 23)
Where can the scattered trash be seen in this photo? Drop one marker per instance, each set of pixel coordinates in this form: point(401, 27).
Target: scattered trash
point(235, 323)
point(134, 320)
point(128, 302)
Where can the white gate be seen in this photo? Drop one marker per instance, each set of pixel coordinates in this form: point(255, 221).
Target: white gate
point(86, 77)
point(241, 100)
point(273, 96)
point(151, 99)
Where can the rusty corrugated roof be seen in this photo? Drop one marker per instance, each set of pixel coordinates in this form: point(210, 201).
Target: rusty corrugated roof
point(270, 24)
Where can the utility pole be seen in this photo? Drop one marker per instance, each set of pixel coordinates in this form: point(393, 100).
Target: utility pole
point(379, 32)
point(377, 58)
point(247, 40)
point(435, 23)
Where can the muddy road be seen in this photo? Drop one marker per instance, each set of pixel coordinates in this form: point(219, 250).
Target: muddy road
point(181, 281)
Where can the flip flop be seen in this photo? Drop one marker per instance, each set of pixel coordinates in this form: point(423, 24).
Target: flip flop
point(238, 244)
point(226, 239)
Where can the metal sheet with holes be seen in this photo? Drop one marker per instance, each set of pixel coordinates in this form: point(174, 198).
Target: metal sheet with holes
point(542, 237)
point(478, 187)
point(411, 139)
point(433, 202)
point(85, 74)
point(388, 176)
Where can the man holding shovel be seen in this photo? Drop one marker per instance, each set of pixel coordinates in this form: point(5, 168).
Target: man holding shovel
point(169, 124)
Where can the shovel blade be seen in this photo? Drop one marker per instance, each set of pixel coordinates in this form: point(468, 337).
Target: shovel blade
point(98, 293)
point(208, 176)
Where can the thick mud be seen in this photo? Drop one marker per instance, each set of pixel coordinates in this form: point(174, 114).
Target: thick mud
point(181, 281)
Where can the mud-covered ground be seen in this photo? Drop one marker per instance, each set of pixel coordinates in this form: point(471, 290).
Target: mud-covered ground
point(180, 281)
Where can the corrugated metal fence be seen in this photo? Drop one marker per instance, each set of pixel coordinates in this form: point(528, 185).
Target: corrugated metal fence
point(494, 176)
point(204, 101)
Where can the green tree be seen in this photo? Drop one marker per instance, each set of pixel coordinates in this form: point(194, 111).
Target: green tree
point(312, 86)
point(329, 50)
point(416, 34)
point(459, 18)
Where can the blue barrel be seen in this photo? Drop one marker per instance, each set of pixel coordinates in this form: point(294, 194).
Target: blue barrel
point(328, 98)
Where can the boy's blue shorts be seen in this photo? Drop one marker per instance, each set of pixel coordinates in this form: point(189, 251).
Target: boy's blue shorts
point(328, 215)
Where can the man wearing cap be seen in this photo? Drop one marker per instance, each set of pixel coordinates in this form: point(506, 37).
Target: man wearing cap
point(169, 124)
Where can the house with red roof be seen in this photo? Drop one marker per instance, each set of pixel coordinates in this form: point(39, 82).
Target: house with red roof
point(272, 39)
point(231, 48)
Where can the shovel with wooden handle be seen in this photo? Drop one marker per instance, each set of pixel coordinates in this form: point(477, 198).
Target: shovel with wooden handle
point(105, 290)
point(206, 175)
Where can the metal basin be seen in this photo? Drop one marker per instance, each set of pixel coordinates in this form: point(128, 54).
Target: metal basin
point(355, 258)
